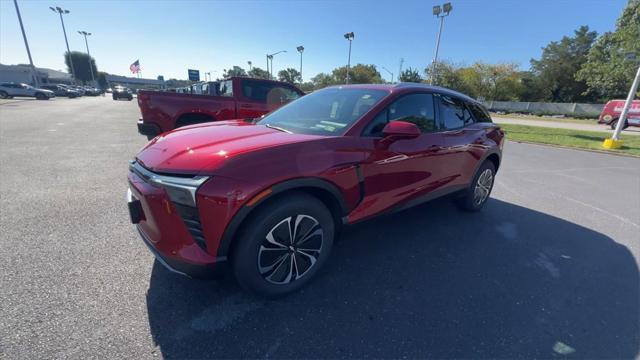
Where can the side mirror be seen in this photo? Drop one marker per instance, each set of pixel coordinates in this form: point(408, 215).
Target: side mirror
point(397, 129)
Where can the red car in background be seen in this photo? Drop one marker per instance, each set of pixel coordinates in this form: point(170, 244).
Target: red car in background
point(267, 196)
point(234, 98)
point(612, 110)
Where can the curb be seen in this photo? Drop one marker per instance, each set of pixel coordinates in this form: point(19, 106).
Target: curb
point(575, 148)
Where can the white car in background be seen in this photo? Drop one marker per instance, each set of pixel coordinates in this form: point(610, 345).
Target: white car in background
point(9, 90)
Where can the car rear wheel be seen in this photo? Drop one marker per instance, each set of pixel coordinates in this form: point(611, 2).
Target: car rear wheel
point(614, 124)
point(284, 245)
point(4, 95)
point(478, 193)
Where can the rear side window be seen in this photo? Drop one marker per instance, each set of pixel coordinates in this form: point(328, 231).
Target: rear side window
point(479, 113)
point(453, 113)
point(415, 108)
point(226, 88)
point(268, 92)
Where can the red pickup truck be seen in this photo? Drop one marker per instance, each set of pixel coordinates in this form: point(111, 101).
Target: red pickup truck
point(234, 98)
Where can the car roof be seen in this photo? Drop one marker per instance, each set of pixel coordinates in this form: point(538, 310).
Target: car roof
point(408, 87)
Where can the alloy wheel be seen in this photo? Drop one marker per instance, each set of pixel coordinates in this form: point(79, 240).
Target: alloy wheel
point(483, 187)
point(290, 249)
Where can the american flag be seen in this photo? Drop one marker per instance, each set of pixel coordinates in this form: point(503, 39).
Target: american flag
point(135, 67)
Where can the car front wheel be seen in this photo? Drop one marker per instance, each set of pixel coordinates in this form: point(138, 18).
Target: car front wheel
point(283, 245)
point(4, 95)
point(41, 96)
point(478, 192)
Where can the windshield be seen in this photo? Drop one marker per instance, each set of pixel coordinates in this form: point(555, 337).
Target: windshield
point(324, 112)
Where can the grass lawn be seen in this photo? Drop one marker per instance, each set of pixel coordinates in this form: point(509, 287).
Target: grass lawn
point(545, 118)
point(591, 140)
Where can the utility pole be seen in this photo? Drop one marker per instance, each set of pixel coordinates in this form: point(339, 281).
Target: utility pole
point(349, 36)
point(440, 13)
point(61, 11)
point(93, 79)
point(34, 72)
point(400, 70)
point(615, 142)
point(300, 50)
point(390, 73)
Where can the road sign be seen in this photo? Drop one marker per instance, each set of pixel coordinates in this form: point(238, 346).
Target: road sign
point(194, 75)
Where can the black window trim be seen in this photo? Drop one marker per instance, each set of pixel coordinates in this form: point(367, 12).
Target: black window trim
point(464, 103)
point(436, 113)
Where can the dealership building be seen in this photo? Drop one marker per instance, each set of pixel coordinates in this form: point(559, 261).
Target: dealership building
point(23, 74)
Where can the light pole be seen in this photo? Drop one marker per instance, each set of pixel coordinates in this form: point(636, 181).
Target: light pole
point(390, 73)
point(61, 11)
point(300, 50)
point(349, 36)
point(615, 142)
point(400, 70)
point(439, 13)
point(85, 34)
point(34, 73)
point(270, 57)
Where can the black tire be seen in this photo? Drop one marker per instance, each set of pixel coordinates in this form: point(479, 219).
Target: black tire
point(614, 123)
point(474, 199)
point(130, 99)
point(115, 97)
point(4, 95)
point(271, 270)
point(41, 96)
point(192, 120)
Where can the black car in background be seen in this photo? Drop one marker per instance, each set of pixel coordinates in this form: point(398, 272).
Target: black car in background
point(61, 90)
point(120, 92)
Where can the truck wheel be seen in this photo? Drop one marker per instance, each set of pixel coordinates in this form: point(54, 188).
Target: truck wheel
point(192, 120)
point(283, 245)
point(4, 95)
point(478, 192)
point(41, 96)
point(614, 123)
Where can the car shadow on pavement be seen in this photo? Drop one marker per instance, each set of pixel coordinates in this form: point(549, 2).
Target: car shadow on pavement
point(427, 282)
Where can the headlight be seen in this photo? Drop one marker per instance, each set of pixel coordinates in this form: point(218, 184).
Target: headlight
point(181, 190)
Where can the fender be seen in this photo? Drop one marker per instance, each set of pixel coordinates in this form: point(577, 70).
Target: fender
point(243, 213)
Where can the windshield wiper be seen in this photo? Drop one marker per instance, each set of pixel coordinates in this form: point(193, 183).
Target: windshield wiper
point(277, 128)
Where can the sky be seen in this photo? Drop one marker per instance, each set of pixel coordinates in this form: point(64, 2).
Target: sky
point(169, 37)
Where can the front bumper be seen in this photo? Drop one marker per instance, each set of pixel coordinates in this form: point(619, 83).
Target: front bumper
point(164, 232)
point(148, 129)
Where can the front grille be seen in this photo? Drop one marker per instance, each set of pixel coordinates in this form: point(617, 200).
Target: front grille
point(192, 221)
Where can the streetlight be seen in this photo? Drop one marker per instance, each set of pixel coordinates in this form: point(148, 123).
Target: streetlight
point(614, 142)
point(250, 64)
point(389, 73)
point(270, 57)
point(349, 36)
point(300, 50)
point(61, 11)
point(34, 73)
point(439, 12)
point(85, 34)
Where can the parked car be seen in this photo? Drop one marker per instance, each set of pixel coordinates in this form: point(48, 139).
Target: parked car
point(120, 92)
point(10, 90)
point(267, 196)
point(612, 110)
point(61, 90)
point(91, 91)
point(237, 97)
point(109, 90)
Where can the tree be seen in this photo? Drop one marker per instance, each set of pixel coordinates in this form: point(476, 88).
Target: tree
point(259, 73)
point(410, 75)
point(234, 71)
point(358, 74)
point(102, 79)
point(307, 86)
point(290, 75)
point(559, 64)
point(607, 72)
point(81, 65)
point(322, 80)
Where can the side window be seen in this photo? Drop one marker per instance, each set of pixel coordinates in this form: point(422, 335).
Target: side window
point(414, 108)
point(226, 88)
point(453, 113)
point(479, 113)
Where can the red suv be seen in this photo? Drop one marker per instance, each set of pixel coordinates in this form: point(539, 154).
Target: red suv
point(269, 196)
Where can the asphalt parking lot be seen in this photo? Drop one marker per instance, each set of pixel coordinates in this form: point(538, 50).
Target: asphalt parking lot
point(548, 269)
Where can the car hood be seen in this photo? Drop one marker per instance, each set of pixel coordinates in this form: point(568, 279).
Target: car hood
point(200, 149)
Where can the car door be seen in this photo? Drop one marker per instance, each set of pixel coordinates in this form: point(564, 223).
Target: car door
point(24, 90)
point(406, 170)
point(461, 138)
